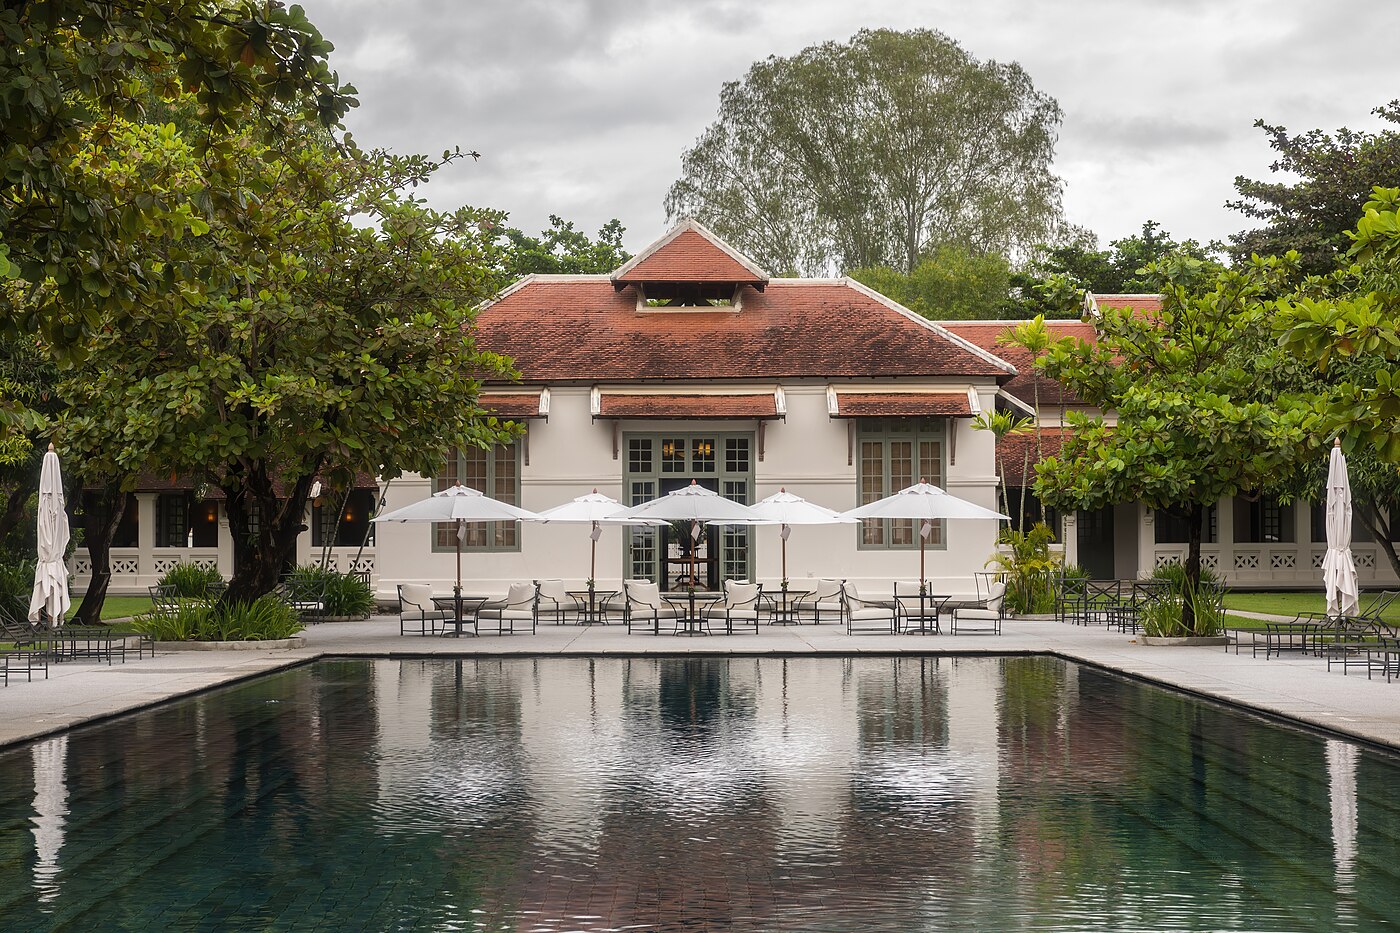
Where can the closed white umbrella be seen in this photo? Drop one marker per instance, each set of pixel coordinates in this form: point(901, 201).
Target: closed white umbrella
point(458, 505)
point(51, 575)
point(1338, 568)
point(597, 510)
point(924, 502)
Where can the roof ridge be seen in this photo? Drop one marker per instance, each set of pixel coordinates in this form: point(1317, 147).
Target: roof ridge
point(690, 224)
point(948, 335)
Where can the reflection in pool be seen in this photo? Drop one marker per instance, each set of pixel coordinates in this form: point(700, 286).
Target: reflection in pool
point(774, 794)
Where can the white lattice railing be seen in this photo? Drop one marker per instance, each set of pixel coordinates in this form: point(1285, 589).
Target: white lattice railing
point(1244, 564)
point(166, 560)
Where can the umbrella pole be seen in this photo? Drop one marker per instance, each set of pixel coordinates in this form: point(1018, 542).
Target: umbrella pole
point(593, 560)
point(457, 590)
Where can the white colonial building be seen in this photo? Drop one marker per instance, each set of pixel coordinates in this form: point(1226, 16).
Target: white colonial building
point(690, 363)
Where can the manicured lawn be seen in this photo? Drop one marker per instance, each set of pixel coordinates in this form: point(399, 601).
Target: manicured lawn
point(1292, 603)
point(117, 607)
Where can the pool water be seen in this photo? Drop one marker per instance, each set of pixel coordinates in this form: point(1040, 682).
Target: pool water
point(870, 794)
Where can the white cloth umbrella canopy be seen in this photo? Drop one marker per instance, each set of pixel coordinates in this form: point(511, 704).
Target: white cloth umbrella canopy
point(925, 502)
point(593, 509)
point(1338, 569)
point(787, 509)
point(459, 505)
point(694, 504)
point(51, 575)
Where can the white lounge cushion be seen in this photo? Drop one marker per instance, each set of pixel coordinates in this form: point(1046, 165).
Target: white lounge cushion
point(995, 595)
point(520, 594)
point(432, 615)
point(740, 594)
point(641, 611)
point(417, 594)
point(978, 614)
point(748, 615)
point(508, 615)
point(861, 615)
point(554, 591)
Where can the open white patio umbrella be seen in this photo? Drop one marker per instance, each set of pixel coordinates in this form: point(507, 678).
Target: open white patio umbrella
point(924, 502)
point(694, 504)
point(597, 510)
point(51, 575)
point(458, 505)
point(787, 509)
point(1338, 569)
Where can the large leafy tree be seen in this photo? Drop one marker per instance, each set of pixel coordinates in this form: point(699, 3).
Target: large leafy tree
point(1346, 327)
point(1196, 417)
point(950, 284)
point(873, 152)
point(316, 324)
point(562, 249)
point(1327, 180)
point(69, 70)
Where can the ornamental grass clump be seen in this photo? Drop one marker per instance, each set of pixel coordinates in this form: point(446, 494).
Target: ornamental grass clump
point(191, 581)
point(1163, 617)
point(266, 618)
point(342, 594)
point(16, 584)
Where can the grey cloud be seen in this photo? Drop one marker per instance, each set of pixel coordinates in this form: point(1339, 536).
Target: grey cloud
point(583, 107)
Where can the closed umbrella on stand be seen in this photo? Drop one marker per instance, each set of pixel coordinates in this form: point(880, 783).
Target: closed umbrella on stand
point(50, 597)
point(1338, 569)
point(458, 505)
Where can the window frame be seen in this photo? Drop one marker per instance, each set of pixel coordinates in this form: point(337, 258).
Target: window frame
point(887, 431)
point(440, 534)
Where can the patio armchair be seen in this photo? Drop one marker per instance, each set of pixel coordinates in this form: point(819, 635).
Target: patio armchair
point(163, 599)
point(555, 601)
point(825, 600)
point(643, 606)
point(985, 620)
point(867, 615)
point(521, 606)
point(740, 604)
point(416, 610)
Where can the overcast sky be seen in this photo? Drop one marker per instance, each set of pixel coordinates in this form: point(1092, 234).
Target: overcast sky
point(582, 108)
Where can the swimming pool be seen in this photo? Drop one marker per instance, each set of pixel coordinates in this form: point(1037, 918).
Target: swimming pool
point(877, 793)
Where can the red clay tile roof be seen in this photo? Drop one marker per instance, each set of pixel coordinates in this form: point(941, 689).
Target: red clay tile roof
point(688, 406)
point(902, 404)
point(511, 405)
point(579, 329)
point(1147, 304)
point(688, 255)
point(151, 482)
point(986, 333)
point(1016, 453)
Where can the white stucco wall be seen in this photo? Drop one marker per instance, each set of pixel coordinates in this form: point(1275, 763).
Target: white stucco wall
point(808, 453)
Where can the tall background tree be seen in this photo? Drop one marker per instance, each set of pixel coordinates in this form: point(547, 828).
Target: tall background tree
point(1197, 417)
point(1327, 179)
point(874, 152)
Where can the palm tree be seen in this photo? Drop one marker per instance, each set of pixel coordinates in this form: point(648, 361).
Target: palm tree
point(1004, 424)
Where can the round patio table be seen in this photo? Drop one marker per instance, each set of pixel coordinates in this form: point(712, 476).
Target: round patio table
point(592, 605)
point(693, 607)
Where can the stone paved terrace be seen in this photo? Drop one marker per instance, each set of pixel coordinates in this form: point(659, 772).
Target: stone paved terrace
point(1298, 688)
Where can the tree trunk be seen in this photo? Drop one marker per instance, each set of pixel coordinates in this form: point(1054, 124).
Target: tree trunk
point(1379, 527)
point(1195, 515)
point(99, 528)
point(262, 548)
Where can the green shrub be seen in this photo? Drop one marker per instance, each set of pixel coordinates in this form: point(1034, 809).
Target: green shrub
point(16, 585)
point(264, 619)
point(1163, 617)
point(343, 594)
point(1029, 569)
point(191, 580)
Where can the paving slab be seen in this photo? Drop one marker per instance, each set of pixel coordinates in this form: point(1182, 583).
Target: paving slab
point(1295, 688)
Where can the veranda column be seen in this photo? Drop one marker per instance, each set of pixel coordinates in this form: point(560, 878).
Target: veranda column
point(146, 540)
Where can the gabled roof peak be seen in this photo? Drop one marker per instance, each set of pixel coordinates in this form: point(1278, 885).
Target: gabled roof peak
point(690, 254)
